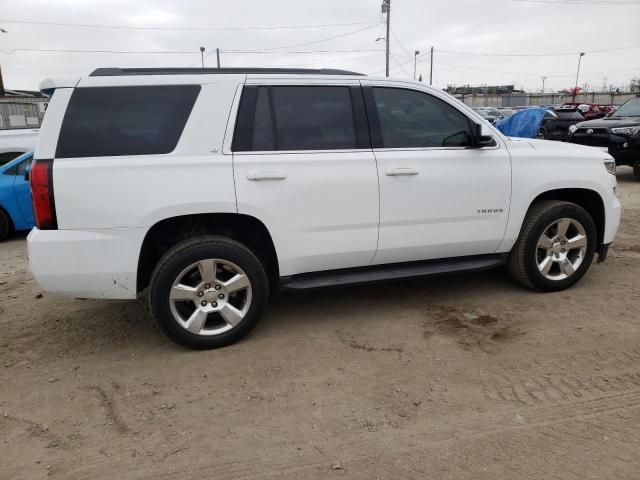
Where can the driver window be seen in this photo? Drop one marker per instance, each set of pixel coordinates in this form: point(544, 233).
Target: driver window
point(410, 119)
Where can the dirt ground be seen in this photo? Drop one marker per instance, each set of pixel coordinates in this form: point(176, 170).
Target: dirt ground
point(466, 377)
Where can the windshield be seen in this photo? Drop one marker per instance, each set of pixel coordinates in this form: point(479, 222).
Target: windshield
point(629, 109)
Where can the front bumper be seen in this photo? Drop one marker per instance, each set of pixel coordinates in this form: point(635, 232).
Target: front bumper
point(613, 211)
point(99, 263)
point(602, 252)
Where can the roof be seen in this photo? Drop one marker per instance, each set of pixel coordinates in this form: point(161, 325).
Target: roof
point(116, 72)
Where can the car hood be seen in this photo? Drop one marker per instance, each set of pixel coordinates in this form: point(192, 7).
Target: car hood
point(610, 122)
point(559, 147)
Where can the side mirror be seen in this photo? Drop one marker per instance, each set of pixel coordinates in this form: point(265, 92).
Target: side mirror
point(27, 169)
point(482, 137)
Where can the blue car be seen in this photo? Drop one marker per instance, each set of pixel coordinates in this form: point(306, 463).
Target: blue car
point(16, 210)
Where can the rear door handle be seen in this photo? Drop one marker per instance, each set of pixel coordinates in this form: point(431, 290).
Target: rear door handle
point(258, 176)
point(396, 172)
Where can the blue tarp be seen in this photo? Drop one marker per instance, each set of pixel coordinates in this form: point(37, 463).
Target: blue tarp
point(525, 123)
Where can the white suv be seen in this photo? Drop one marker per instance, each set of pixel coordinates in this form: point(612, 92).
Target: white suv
point(209, 187)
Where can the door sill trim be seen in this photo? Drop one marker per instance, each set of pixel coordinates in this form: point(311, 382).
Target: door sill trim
point(390, 272)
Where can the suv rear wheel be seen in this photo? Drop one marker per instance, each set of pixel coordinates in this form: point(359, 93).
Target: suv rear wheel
point(555, 248)
point(636, 171)
point(208, 292)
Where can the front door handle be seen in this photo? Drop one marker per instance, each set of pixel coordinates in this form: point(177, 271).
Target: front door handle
point(396, 172)
point(258, 176)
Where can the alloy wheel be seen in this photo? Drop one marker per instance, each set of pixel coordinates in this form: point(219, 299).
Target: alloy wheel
point(210, 297)
point(561, 249)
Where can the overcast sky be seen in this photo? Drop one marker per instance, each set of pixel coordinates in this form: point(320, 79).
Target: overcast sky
point(496, 27)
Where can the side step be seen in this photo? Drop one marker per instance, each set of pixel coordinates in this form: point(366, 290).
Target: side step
point(394, 271)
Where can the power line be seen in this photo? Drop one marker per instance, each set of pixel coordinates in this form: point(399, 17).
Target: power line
point(10, 51)
point(583, 2)
point(400, 43)
point(131, 27)
point(484, 54)
point(301, 52)
point(353, 32)
point(399, 65)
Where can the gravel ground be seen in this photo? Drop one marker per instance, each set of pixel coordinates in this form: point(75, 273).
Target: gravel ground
point(465, 377)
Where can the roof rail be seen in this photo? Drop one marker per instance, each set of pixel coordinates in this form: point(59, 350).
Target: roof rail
point(117, 72)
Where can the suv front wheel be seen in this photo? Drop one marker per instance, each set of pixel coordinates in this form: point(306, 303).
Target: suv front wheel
point(208, 292)
point(555, 247)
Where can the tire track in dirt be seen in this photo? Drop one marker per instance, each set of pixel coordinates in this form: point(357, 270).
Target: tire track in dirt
point(551, 429)
point(583, 375)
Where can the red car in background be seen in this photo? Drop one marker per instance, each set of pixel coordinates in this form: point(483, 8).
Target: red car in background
point(590, 111)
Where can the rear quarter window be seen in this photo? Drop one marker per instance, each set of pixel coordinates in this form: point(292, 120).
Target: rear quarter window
point(115, 121)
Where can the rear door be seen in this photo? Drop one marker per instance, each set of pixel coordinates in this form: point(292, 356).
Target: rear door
point(303, 165)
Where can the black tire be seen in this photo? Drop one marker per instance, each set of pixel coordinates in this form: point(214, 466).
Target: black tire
point(191, 251)
point(636, 171)
point(522, 261)
point(542, 134)
point(5, 226)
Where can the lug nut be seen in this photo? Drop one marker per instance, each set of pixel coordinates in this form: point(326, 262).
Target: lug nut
point(563, 242)
point(203, 303)
point(218, 287)
point(201, 294)
point(563, 250)
point(221, 296)
point(214, 304)
point(207, 286)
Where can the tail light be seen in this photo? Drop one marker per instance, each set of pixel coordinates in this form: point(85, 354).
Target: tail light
point(44, 208)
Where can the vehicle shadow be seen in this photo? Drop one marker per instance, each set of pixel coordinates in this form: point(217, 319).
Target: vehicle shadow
point(625, 175)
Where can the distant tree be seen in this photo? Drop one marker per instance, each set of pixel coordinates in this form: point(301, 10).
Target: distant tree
point(634, 85)
point(574, 90)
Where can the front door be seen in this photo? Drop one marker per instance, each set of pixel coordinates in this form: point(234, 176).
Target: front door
point(438, 197)
point(303, 166)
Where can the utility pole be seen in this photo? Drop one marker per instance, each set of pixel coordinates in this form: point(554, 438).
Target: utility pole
point(218, 56)
point(543, 80)
point(386, 8)
point(415, 62)
point(202, 56)
point(2, 30)
point(431, 69)
point(577, 75)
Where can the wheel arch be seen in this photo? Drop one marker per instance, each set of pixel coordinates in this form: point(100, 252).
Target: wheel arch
point(588, 199)
point(168, 232)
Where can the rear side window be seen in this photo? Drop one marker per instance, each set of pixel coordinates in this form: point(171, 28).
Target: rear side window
point(114, 121)
point(297, 118)
point(313, 118)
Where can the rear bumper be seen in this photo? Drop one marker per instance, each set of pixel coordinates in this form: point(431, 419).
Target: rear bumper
point(99, 263)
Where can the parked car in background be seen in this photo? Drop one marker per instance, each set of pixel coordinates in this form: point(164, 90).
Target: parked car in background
point(556, 123)
point(589, 111)
point(506, 112)
point(492, 119)
point(618, 134)
point(16, 209)
point(15, 142)
point(493, 111)
point(207, 188)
